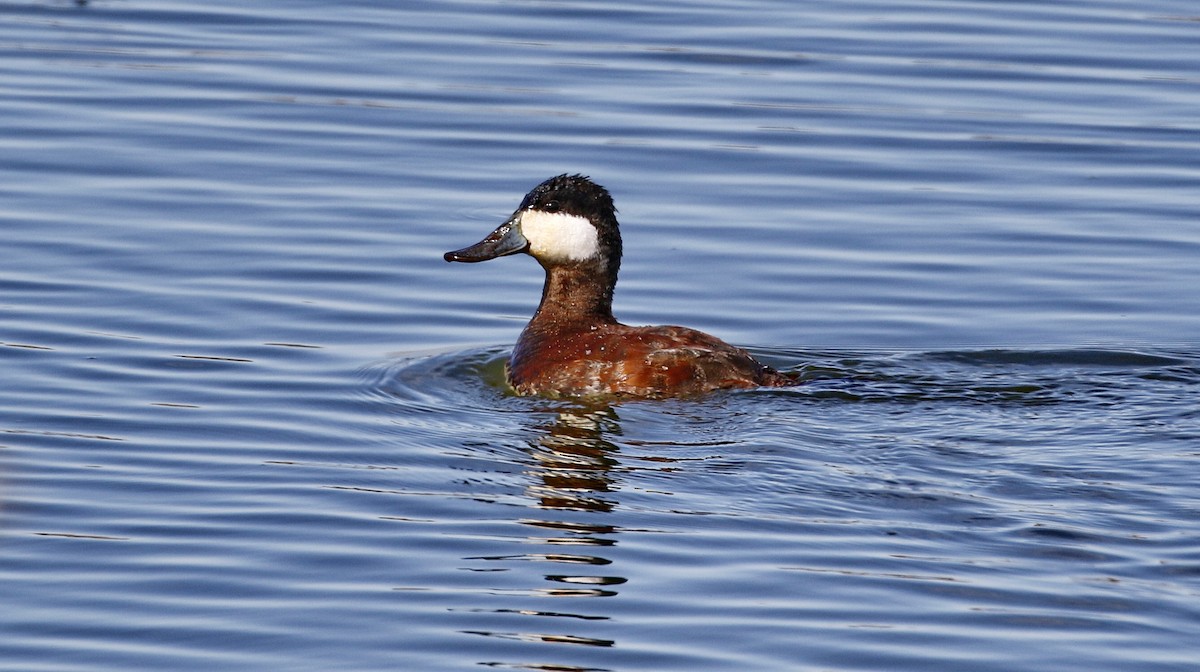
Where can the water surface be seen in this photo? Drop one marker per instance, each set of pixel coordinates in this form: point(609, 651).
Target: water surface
point(251, 420)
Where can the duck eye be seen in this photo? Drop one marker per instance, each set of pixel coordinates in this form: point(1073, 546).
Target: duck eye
point(551, 206)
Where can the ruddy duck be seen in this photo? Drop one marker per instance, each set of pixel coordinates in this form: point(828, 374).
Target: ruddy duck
point(574, 346)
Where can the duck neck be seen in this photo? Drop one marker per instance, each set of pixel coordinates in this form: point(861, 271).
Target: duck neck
point(577, 294)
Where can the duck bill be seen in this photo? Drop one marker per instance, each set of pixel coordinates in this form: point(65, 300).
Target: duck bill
point(505, 240)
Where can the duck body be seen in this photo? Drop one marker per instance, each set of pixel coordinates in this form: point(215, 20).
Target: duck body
point(614, 359)
point(573, 346)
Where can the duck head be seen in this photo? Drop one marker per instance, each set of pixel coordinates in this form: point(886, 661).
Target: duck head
point(567, 220)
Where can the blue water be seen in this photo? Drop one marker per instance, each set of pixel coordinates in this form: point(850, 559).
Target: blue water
point(250, 420)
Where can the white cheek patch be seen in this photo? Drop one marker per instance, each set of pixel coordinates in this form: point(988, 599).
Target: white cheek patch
point(559, 237)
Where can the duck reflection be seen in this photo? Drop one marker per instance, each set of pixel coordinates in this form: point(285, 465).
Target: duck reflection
point(571, 472)
point(575, 461)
